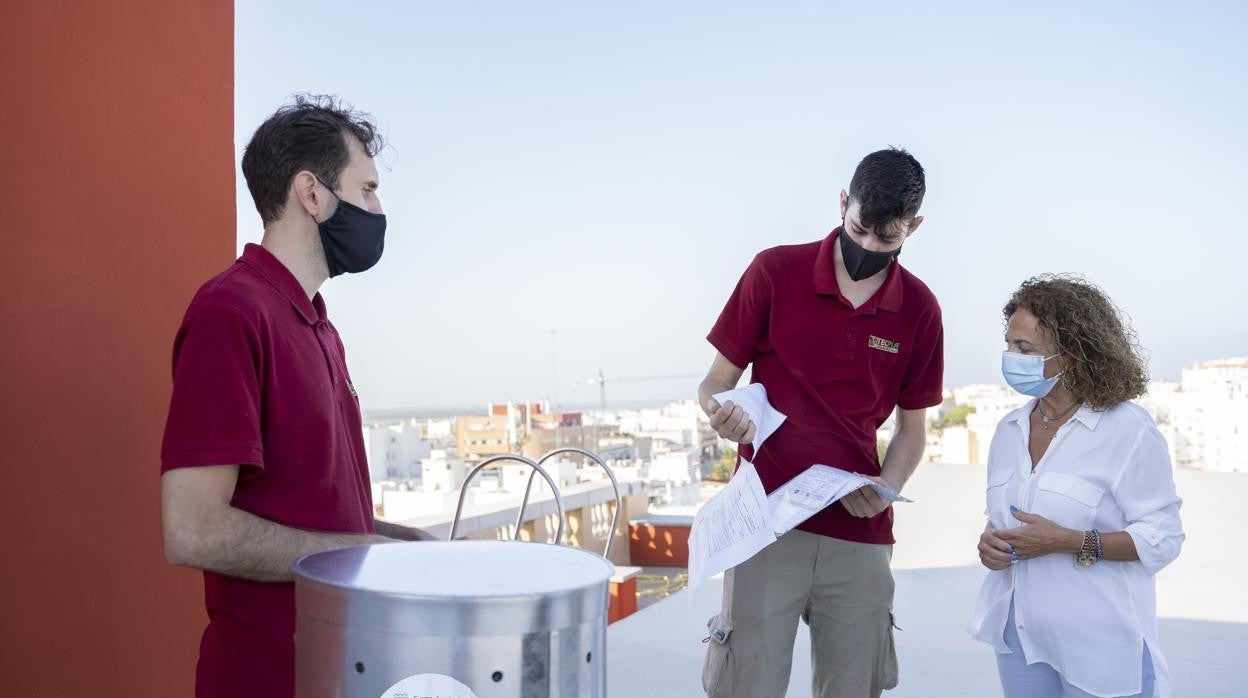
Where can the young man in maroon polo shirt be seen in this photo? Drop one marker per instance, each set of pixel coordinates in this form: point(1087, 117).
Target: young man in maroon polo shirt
point(841, 335)
point(263, 456)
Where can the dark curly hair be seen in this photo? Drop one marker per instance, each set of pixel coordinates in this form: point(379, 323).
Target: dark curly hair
point(1104, 362)
point(308, 134)
point(888, 185)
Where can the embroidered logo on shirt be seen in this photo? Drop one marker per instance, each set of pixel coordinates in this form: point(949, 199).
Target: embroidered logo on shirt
point(351, 387)
point(884, 344)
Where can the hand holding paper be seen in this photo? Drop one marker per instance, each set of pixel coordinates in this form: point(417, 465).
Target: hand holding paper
point(815, 489)
point(868, 501)
point(753, 400)
point(741, 519)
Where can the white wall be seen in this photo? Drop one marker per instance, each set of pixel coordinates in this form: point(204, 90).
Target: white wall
point(955, 445)
point(677, 467)
point(442, 474)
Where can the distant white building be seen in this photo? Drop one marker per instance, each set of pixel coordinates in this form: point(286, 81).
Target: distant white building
point(394, 452)
point(437, 429)
point(1205, 416)
point(381, 447)
point(1227, 378)
point(674, 478)
point(438, 473)
point(957, 445)
point(683, 424)
point(514, 476)
point(402, 505)
point(992, 402)
point(676, 467)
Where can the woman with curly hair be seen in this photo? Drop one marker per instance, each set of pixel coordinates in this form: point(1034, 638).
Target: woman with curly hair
point(1082, 508)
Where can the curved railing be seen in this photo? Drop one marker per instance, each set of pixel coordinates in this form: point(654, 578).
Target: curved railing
point(537, 468)
point(615, 519)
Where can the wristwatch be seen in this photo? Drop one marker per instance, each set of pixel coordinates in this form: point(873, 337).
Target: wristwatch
point(1090, 552)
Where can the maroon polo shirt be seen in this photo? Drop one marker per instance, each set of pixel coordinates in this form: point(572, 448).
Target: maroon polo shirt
point(836, 371)
point(260, 380)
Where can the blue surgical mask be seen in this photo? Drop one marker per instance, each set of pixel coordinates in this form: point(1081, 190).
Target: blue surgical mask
point(1025, 373)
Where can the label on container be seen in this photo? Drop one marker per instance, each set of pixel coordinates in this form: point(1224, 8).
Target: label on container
point(428, 686)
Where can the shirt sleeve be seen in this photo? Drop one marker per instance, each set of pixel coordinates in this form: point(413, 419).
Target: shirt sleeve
point(214, 413)
point(924, 382)
point(1146, 494)
point(743, 323)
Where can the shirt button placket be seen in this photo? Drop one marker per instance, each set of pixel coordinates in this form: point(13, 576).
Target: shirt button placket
point(321, 330)
point(1018, 614)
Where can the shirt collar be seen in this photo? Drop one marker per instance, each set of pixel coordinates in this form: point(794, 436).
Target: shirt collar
point(1088, 416)
point(887, 298)
point(1020, 415)
point(271, 268)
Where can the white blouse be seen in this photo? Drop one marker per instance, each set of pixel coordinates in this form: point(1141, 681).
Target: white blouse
point(1109, 471)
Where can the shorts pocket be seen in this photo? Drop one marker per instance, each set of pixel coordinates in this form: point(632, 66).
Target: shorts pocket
point(718, 667)
point(888, 663)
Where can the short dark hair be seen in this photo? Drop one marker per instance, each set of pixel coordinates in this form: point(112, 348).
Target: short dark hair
point(888, 185)
point(308, 134)
point(1104, 364)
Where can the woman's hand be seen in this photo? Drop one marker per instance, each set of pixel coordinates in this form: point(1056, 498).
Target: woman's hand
point(1039, 537)
point(995, 553)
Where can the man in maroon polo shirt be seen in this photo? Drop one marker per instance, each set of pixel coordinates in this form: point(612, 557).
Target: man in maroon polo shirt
point(840, 335)
point(263, 456)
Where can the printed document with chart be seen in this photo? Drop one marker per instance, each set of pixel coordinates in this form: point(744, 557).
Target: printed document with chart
point(742, 519)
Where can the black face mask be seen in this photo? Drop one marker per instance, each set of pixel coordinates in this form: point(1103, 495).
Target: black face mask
point(860, 262)
point(353, 239)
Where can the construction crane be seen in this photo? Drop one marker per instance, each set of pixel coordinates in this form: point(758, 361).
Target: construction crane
point(601, 381)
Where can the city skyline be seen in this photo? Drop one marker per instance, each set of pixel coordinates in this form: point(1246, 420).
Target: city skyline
point(382, 413)
point(1200, 417)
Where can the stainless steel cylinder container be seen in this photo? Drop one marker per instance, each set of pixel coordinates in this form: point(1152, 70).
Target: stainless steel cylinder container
point(495, 619)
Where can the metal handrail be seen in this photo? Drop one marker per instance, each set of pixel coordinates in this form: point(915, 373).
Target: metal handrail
point(615, 520)
point(537, 468)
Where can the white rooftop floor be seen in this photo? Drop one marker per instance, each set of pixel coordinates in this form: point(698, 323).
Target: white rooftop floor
point(1202, 601)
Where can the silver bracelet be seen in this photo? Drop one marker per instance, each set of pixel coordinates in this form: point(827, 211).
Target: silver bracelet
point(1086, 557)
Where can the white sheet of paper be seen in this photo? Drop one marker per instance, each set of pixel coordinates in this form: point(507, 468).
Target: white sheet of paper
point(806, 495)
point(753, 399)
point(815, 489)
point(730, 528)
point(742, 519)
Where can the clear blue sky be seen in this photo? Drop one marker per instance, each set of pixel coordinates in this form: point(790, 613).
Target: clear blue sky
point(607, 170)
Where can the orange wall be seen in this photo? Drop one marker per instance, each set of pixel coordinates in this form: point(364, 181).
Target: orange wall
point(659, 546)
point(116, 202)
